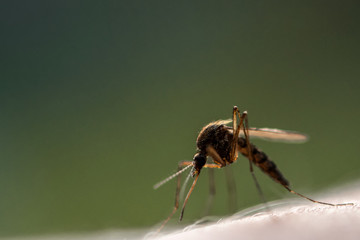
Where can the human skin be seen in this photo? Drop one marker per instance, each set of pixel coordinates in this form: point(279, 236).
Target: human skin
point(295, 220)
point(287, 219)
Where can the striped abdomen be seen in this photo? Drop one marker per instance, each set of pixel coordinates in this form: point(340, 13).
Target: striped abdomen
point(261, 160)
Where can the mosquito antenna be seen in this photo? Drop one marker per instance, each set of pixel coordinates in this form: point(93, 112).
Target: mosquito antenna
point(159, 184)
point(182, 191)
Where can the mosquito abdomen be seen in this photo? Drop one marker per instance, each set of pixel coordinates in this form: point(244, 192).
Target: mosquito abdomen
point(261, 160)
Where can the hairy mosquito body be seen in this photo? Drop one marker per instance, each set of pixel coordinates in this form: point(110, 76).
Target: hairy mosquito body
point(220, 136)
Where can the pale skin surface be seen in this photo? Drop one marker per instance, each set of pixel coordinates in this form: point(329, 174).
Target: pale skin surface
point(299, 220)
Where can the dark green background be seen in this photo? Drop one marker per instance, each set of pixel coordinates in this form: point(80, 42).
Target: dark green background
point(99, 100)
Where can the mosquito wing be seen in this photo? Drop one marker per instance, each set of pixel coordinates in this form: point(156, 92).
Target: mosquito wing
point(277, 135)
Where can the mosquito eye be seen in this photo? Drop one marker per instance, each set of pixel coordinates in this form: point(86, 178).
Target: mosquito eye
point(198, 158)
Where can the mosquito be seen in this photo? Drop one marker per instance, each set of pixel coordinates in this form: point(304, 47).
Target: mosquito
point(222, 144)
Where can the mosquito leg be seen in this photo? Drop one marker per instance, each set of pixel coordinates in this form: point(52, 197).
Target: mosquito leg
point(234, 119)
point(231, 187)
point(212, 165)
point(187, 196)
point(211, 185)
point(245, 123)
point(191, 189)
point(212, 191)
point(176, 206)
point(312, 200)
point(236, 131)
point(219, 162)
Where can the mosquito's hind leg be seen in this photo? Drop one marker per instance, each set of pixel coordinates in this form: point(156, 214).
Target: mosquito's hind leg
point(315, 201)
point(244, 122)
point(176, 206)
point(245, 127)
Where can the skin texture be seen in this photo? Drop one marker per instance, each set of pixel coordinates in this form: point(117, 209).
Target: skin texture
point(288, 219)
point(295, 220)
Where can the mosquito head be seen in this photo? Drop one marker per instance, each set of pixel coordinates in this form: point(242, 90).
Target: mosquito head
point(199, 161)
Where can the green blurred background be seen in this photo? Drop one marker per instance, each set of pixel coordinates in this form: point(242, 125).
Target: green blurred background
point(99, 100)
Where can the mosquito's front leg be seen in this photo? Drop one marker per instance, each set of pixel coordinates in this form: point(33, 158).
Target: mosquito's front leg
point(196, 177)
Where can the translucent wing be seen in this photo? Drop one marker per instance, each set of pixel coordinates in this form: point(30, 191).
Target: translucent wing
point(278, 135)
point(272, 134)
